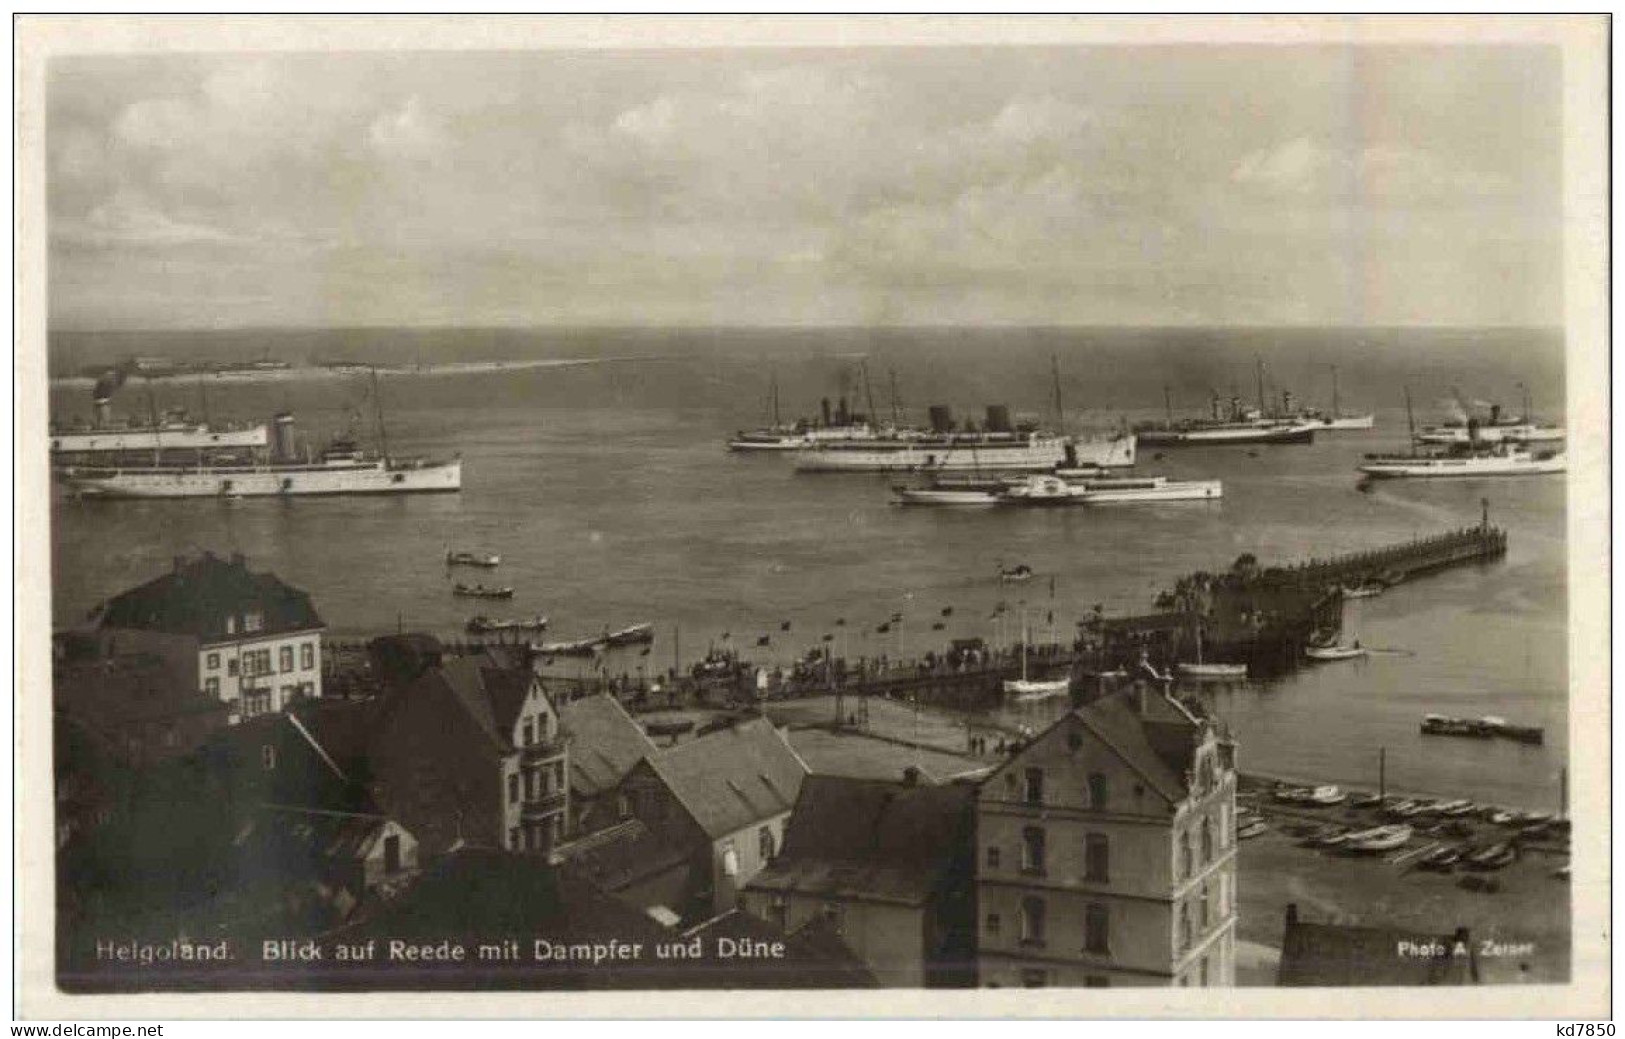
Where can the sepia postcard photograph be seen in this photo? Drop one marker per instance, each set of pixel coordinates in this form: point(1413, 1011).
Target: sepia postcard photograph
point(809, 516)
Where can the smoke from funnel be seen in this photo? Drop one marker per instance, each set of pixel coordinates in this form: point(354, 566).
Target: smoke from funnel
point(108, 383)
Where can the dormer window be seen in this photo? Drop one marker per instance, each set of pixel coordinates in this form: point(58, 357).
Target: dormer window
point(253, 620)
point(231, 624)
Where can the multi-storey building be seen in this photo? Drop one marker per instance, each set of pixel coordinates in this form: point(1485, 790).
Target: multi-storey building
point(248, 640)
point(726, 796)
point(1107, 851)
point(465, 754)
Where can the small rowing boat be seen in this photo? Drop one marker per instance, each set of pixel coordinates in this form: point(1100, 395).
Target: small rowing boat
point(485, 559)
point(1324, 653)
point(1383, 838)
point(480, 591)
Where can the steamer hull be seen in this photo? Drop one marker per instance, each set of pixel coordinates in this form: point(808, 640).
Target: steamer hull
point(269, 481)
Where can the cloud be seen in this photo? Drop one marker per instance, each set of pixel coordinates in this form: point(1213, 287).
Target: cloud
point(130, 219)
point(1302, 167)
point(408, 132)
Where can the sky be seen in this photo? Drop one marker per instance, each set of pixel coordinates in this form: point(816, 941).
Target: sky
point(1104, 185)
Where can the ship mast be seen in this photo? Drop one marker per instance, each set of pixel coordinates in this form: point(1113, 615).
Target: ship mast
point(1410, 418)
point(896, 420)
point(868, 392)
point(1168, 404)
point(1336, 411)
point(1260, 362)
point(774, 376)
point(1060, 415)
point(378, 412)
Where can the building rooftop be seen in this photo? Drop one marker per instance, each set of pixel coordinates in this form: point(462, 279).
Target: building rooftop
point(621, 855)
point(1324, 954)
point(606, 744)
point(492, 696)
point(199, 595)
point(871, 839)
point(732, 778)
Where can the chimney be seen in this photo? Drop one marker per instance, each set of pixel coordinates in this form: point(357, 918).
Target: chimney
point(104, 412)
point(282, 437)
point(911, 776)
point(1291, 914)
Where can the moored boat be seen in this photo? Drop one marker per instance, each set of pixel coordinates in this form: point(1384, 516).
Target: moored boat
point(483, 625)
point(1496, 856)
point(1380, 839)
point(1324, 653)
point(485, 559)
point(480, 591)
point(636, 634)
point(1466, 462)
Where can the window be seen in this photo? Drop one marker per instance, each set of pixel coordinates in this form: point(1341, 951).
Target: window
point(513, 838)
point(256, 702)
point(1032, 920)
point(530, 732)
point(1032, 850)
point(307, 656)
point(1034, 978)
point(1097, 790)
point(1182, 929)
point(211, 685)
point(268, 757)
point(1035, 786)
point(730, 860)
point(290, 693)
point(623, 806)
point(530, 783)
point(1097, 981)
point(231, 624)
point(1097, 936)
point(513, 787)
point(1187, 859)
point(213, 662)
point(1202, 977)
point(392, 854)
point(231, 667)
point(1096, 859)
point(1207, 842)
point(1202, 919)
point(993, 923)
point(284, 658)
point(254, 620)
point(778, 913)
point(764, 842)
point(993, 857)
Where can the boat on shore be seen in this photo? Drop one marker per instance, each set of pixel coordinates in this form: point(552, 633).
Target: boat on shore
point(480, 591)
point(1496, 856)
point(1441, 858)
point(485, 559)
point(483, 625)
point(1379, 839)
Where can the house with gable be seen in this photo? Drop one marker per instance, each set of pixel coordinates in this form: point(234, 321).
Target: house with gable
point(246, 639)
point(1106, 851)
point(888, 866)
point(466, 754)
point(727, 795)
point(605, 742)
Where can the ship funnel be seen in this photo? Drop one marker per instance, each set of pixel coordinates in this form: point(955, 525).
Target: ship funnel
point(1495, 413)
point(103, 411)
point(823, 408)
point(942, 419)
point(998, 419)
point(842, 415)
point(282, 437)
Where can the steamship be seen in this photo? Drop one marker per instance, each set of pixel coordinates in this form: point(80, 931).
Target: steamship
point(996, 447)
point(175, 431)
point(340, 469)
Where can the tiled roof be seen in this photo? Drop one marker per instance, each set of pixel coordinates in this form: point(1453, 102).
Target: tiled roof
point(124, 690)
point(606, 744)
point(623, 854)
point(198, 595)
point(492, 697)
point(730, 779)
point(1158, 744)
point(872, 839)
point(1342, 955)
